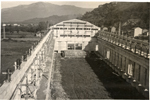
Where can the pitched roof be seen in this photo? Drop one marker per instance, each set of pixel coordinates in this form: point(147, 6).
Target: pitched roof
point(136, 27)
point(76, 21)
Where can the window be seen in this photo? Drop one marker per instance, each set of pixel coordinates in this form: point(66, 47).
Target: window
point(56, 28)
point(108, 54)
point(63, 28)
point(63, 35)
point(86, 28)
point(130, 69)
point(70, 35)
point(86, 35)
point(78, 46)
point(71, 28)
point(96, 48)
point(78, 28)
point(78, 35)
point(94, 29)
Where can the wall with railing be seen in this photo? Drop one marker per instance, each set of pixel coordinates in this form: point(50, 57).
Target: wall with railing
point(128, 57)
point(134, 45)
point(29, 72)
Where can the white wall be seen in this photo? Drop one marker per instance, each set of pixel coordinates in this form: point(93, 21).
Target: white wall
point(137, 31)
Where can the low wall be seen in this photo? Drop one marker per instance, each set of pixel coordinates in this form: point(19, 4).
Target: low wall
point(8, 89)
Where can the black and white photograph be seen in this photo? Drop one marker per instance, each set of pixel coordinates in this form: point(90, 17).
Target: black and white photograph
point(74, 50)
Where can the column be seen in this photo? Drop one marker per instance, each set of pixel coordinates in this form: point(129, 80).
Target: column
point(126, 65)
point(142, 75)
point(59, 46)
point(66, 45)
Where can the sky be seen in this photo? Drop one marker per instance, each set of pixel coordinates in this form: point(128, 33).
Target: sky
point(84, 4)
point(78, 3)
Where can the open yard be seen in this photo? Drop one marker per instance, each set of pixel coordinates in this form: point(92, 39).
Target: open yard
point(89, 79)
point(11, 50)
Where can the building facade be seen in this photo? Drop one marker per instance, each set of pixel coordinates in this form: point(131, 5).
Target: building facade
point(137, 31)
point(73, 34)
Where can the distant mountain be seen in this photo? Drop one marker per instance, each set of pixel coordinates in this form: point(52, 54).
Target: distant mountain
point(51, 19)
point(38, 10)
point(131, 14)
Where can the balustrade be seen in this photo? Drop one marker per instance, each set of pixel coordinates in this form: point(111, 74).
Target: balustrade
point(136, 46)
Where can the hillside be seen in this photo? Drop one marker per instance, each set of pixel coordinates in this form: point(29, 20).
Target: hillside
point(52, 19)
point(131, 14)
point(38, 10)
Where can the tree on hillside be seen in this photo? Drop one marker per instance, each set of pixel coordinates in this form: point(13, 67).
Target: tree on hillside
point(11, 29)
point(42, 26)
point(16, 28)
point(111, 14)
point(32, 28)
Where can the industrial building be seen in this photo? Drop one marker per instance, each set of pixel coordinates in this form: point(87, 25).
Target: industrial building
point(73, 34)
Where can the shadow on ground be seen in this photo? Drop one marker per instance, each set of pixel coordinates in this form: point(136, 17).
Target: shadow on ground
point(114, 84)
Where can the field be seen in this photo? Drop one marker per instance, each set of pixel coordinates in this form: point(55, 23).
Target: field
point(19, 35)
point(11, 50)
point(89, 78)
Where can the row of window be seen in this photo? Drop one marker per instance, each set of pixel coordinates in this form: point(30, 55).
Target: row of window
point(74, 23)
point(56, 28)
point(129, 66)
point(69, 32)
point(74, 35)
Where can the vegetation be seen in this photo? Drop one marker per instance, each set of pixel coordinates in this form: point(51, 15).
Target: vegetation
point(142, 37)
point(11, 50)
point(26, 28)
point(89, 78)
point(51, 19)
point(13, 47)
point(131, 14)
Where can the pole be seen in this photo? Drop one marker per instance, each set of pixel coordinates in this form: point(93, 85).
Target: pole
point(26, 98)
point(119, 31)
point(4, 31)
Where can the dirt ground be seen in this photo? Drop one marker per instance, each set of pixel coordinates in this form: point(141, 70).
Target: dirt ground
point(89, 79)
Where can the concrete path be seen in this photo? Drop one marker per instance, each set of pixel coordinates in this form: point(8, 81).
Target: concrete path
point(42, 91)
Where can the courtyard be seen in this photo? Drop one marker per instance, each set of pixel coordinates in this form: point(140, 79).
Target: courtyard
point(88, 78)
